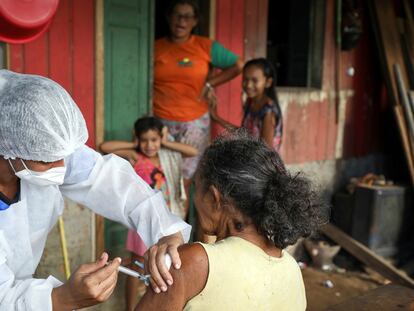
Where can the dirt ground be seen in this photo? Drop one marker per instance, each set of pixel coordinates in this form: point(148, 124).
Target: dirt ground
point(345, 285)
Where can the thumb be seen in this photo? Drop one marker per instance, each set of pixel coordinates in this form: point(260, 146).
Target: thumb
point(94, 266)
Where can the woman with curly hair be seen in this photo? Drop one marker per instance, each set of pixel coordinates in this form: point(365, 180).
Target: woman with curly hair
point(255, 207)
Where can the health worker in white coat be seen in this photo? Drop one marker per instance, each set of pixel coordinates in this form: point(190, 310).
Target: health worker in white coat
point(43, 157)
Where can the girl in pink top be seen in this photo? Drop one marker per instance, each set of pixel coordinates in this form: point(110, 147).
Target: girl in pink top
point(158, 162)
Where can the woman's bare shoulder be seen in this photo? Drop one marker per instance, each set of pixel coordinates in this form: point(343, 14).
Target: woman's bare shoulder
point(189, 281)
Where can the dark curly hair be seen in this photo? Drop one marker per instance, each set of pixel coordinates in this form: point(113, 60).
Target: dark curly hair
point(254, 179)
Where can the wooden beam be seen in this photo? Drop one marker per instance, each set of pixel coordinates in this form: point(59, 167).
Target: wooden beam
point(399, 115)
point(367, 256)
point(99, 108)
point(385, 26)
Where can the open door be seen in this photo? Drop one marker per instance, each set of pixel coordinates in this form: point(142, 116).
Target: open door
point(128, 43)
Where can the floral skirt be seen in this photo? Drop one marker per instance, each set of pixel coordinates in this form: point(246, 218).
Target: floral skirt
point(195, 133)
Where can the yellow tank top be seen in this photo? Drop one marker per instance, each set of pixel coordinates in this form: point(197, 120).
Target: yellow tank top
point(243, 277)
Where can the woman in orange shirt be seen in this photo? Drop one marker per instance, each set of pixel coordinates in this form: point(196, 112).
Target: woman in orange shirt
point(182, 82)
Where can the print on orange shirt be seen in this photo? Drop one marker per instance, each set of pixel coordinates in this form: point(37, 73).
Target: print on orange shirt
point(180, 72)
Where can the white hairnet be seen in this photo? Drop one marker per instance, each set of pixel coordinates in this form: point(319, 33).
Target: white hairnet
point(39, 120)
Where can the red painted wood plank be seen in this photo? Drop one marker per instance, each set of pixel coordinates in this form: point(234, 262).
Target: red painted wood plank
point(84, 62)
point(312, 113)
point(230, 33)
point(36, 55)
point(60, 46)
point(291, 136)
point(331, 130)
point(16, 57)
point(329, 50)
point(322, 126)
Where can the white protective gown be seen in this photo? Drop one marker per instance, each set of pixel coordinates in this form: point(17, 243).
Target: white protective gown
point(108, 186)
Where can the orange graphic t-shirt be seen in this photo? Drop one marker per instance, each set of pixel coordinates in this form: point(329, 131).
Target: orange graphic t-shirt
point(180, 72)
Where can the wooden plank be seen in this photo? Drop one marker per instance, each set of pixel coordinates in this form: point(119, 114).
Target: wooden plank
point(367, 256)
point(384, 298)
point(230, 33)
point(389, 44)
point(322, 127)
point(388, 41)
point(405, 104)
point(60, 43)
point(404, 139)
point(84, 62)
point(255, 20)
point(212, 20)
point(15, 57)
point(36, 55)
point(99, 109)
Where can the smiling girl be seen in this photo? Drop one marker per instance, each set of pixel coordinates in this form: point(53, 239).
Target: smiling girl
point(158, 162)
point(262, 114)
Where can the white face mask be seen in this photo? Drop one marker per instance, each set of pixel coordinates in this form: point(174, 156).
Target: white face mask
point(53, 176)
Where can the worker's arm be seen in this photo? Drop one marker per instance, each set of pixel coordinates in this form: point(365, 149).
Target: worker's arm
point(189, 281)
point(28, 294)
point(111, 146)
point(109, 186)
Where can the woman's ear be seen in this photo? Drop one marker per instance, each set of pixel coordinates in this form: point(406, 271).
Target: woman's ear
point(216, 196)
point(269, 82)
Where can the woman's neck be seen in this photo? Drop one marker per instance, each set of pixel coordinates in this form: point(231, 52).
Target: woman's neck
point(179, 39)
point(248, 231)
point(258, 102)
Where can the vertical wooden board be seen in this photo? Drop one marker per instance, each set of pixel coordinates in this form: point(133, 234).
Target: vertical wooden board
point(128, 39)
point(60, 46)
point(350, 133)
point(256, 12)
point(250, 20)
point(321, 128)
point(230, 33)
point(83, 62)
point(36, 55)
point(16, 57)
point(127, 64)
point(331, 131)
point(329, 50)
point(312, 112)
point(124, 83)
point(290, 133)
point(304, 154)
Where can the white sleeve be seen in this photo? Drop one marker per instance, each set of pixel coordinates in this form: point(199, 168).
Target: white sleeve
point(110, 187)
point(24, 295)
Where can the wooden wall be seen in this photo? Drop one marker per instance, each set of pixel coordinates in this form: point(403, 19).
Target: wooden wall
point(319, 124)
point(65, 53)
point(229, 31)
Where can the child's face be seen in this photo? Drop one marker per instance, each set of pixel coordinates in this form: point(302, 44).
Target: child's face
point(255, 82)
point(150, 143)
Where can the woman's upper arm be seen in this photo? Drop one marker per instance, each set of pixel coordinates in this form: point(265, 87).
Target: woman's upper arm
point(189, 281)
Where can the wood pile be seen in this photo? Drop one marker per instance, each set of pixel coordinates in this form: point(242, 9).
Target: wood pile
point(394, 36)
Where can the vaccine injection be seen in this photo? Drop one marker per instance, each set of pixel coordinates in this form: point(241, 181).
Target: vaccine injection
point(143, 277)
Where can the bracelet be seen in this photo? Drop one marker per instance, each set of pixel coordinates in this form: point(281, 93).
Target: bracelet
point(209, 86)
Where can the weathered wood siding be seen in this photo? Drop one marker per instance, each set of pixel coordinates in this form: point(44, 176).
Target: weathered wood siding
point(66, 54)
